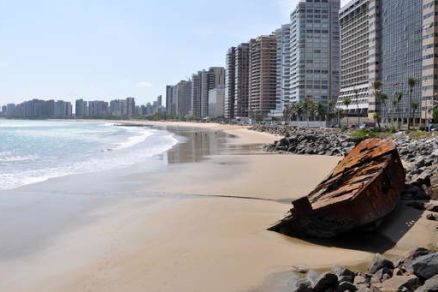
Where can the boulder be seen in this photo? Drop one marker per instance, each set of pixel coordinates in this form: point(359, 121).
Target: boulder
point(327, 281)
point(430, 285)
point(346, 286)
point(344, 274)
point(401, 283)
point(380, 262)
point(424, 267)
point(303, 285)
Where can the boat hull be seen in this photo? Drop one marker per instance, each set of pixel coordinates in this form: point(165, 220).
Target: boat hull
point(375, 200)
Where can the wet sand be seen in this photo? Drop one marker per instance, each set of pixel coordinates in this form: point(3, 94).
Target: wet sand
point(197, 224)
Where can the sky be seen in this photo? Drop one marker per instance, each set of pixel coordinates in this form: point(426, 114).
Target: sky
point(106, 49)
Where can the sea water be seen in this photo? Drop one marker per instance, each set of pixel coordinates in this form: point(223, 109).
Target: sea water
point(34, 151)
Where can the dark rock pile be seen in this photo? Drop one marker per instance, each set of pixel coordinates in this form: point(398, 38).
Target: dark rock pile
point(417, 271)
point(312, 142)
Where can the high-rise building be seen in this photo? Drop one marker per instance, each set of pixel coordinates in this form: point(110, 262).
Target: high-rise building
point(171, 100)
point(241, 93)
point(262, 76)
point(315, 50)
point(81, 108)
point(216, 102)
point(230, 83)
point(430, 59)
point(196, 93)
point(130, 103)
point(283, 69)
point(395, 56)
point(355, 43)
point(183, 98)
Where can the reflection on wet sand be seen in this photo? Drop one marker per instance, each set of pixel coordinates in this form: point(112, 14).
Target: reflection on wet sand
point(198, 144)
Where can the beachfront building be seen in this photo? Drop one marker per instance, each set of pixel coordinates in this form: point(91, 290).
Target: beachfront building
point(81, 108)
point(355, 43)
point(262, 76)
point(216, 102)
point(315, 50)
point(241, 93)
point(283, 69)
point(98, 108)
point(183, 98)
point(400, 47)
point(202, 83)
point(430, 59)
point(171, 100)
point(196, 93)
point(230, 83)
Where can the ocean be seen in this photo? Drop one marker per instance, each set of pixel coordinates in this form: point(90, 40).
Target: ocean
point(35, 151)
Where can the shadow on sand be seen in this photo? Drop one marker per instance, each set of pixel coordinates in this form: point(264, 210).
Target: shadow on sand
point(381, 239)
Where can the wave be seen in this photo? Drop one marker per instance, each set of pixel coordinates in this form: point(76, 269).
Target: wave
point(10, 157)
point(134, 140)
point(155, 143)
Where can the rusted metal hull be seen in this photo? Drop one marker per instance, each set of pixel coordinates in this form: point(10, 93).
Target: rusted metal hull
point(361, 190)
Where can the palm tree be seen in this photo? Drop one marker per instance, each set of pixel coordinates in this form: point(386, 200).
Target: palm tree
point(383, 99)
point(331, 104)
point(414, 110)
point(356, 96)
point(412, 82)
point(320, 109)
point(398, 98)
point(287, 113)
point(347, 101)
point(376, 117)
point(377, 86)
point(299, 109)
point(308, 107)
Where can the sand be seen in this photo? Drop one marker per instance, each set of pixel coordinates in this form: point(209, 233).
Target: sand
point(207, 232)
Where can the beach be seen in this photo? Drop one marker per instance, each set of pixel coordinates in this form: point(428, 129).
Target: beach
point(197, 223)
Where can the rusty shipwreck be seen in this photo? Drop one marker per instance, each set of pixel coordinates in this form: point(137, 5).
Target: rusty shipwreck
point(360, 191)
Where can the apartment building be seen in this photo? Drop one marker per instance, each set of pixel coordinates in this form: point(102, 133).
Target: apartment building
point(262, 76)
point(355, 44)
point(230, 83)
point(315, 50)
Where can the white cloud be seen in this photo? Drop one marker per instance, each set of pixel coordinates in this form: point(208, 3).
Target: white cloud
point(144, 84)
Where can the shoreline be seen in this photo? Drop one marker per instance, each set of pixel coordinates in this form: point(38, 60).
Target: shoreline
point(175, 230)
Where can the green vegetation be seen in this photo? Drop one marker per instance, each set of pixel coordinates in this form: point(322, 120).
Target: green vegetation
point(362, 134)
point(435, 114)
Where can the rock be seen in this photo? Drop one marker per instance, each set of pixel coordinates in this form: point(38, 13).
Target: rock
point(360, 280)
point(344, 274)
point(431, 206)
point(431, 217)
point(419, 162)
point(430, 285)
point(346, 286)
point(398, 283)
point(424, 267)
point(380, 262)
point(303, 285)
point(327, 281)
point(381, 275)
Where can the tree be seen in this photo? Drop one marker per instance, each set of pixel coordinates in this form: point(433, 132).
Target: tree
point(376, 117)
point(397, 99)
point(308, 107)
point(414, 110)
point(383, 99)
point(331, 105)
point(320, 109)
point(412, 82)
point(377, 87)
point(346, 102)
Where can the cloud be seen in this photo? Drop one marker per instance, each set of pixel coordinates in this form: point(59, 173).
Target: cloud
point(144, 84)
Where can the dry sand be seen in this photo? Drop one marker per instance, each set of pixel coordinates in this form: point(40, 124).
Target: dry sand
point(197, 241)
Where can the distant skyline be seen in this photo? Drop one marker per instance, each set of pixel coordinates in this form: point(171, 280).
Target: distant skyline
point(106, 49)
